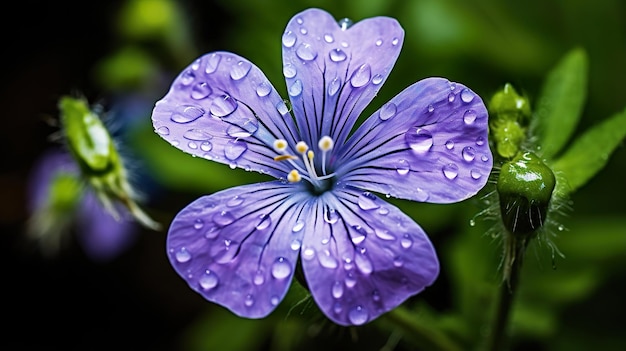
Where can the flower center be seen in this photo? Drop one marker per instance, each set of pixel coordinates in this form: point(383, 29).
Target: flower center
point(319, 183)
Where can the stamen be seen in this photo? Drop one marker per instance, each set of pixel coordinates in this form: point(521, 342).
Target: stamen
point(280, 145)
point(301, 147)
point(294, 176)
point(285, 157)
point(325, 144)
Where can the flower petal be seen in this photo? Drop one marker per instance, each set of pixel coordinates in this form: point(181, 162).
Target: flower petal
point(429, 143)
point(223, 108)
point(237, 247)
point(363, 257)
point(333, 72)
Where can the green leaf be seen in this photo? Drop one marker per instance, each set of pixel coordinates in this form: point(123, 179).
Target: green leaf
point(561, 102)
point(590, 152)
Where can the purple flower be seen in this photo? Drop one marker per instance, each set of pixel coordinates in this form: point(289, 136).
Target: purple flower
point(360, 255)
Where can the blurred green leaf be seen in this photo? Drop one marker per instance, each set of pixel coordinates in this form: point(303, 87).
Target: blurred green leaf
point(561, 102)
point(590, 152)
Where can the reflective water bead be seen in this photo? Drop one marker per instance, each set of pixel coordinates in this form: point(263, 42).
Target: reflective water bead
point(450, 171)
point(368, 201)
point(387, 111)
point(361, 76)
point(198, 224)
point(475, 174)
point(182, 255)
point(249, 301)
point(223, 218)
point(296, 244)
point(306, 52)
point(296, 88)
point(419, 139)
point(337, 55)
point(330, 216)
point(234, 201)
point(212, 62)
point(345, 23)
point(187, 113)
point(468, 153)
point(200, 91)
point(187, 77)
point(208, 280)
point(282, 108)
point(234, 149)
point(469, 117)
point(206, 146)
point(197, 135)
point(264, 222)
point(327, 260)
point(421, 195)
point(289, 38)
point(431, 108)
point(379, 42)
point(223, 106)
point(281, 268)
point(451, 97)
point(298, 226)
point(337, 289)
point(350, 280)
point(403, 167)
point(303, 30)
point(449, 144)
point(467, 96)
point(289, 70)
point(363, 263)
point(163, 130)
point(333, 86)
point(328, 38)
point(384, 234)
point(358, 315)
point(308, 253)
point(263, 89)
point(274, 300)
point(395, 41)
point(406, 241)
point(377, 79)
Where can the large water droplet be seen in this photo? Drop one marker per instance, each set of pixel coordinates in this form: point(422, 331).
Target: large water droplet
point(337, 55)
point(281, 269)
point(306, 52)
point(419, 139)
point(361, 76)
point(368, 201)
point(333, 86)
point(234, 201)
point(329, 38)
point(234, 149)
point(212, 62)
point(296, 244)
point(449, 144)
point(403, 167)
point(163, 130)
point(182, 255)
point(282, 108)
point(298, 226)
point(450, 171)
point(358, 315)
point(240, 70)
point(208, 280)
point(289, 38)
point(296, 88)
point(187, 113)
point(469, 117)
point(384, 234)
point(406, 241)
point(330, 216)
point(468, 153)
point(264, 222)
point(223, 106)
point(197, 135)
point(467, 96)
point(200, 91)
point(223, 218)
point(326, 260)
point(308, 253)
point(475, 174)
point(363, 263)
point(206, 146)
point(387, 111)
point(187, 77)
point(263, 89)
point(345, 23)
point(337, 289)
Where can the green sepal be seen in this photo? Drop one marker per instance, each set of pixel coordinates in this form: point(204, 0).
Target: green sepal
point(590, 152)
point(560, 103)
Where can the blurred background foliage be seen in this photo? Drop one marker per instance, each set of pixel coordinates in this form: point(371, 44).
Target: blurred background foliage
point(115, 51)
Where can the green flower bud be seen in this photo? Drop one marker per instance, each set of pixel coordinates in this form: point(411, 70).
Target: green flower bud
point(525, 187)
point(509, 118)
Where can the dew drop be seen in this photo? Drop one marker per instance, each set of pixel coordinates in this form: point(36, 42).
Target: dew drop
point(296, 244)
point(468, 153)
point(337, 55)
point(421, 195)
point(333, 86)
point(398, 261)
point(472, 222)
point(289, 38)
point(431, 108)
point(375, 296)
point(469, 117)
point(484, 158)
point(449, 144)
point(450, 171)
point(379, 42)
point(306, 52)
point(187, 113)
point(327, 261)
point(383, 211)
point(395, 41)
point(200, 91)
point(259, 278)
point(211, 233)
point(282, 108)
point(182, 255)
point(208, 280)
point(384, 234)
point(337, 308)
point(387, 111)
point(328, 38)
point(187, 77)
point(361, 76)
point(206, 146)
point(163, 130)
point(475, 174)
point(303, 30)
point(345, 23)
point(330, 216)
point(406, 241)
point(350, 280)
point(377, 79)
point(368, 201)
point(263, 89)
point(223, 106)
point(249, 301)
point(197, 135)
point(480, 141)
point(296, 88)
point(419, 139)
point(264, 222)
point(358, 315)
point(298, 226)
point(289, 70)
point(223, 218)
point(467, 96)
point(308, 253)
point(363, 263)
point(212, 62)
point(451, 97)
point(198, 224)
point(337, 289)
point(403, 167)
point(360, 235)
point(281, 269)
point(234, 149)
point(274, 300)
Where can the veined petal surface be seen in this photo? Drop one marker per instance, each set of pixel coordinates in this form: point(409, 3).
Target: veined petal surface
point(239, 247)
point(223, 108)
point(362, 256)
point(429, 143)
point(333, 70)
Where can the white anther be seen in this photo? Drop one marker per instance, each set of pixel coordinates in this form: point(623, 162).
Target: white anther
point(280, 145)
point(326, 143)
point(294, 176)
point(301, 147)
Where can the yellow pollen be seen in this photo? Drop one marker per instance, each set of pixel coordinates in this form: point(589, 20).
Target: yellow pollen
point(326, 143)
point(310, 155)
point(301, 147)
point(285, 157)
point(280, 145)
point(294, 176)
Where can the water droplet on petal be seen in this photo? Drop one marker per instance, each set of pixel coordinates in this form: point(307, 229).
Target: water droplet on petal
point(395, 41)
point(350, 280)
point(187, 77)
point(187, 113)
point(361, 76)
point(330, 216)
point(363, 263)
point(306, 52)
point(484, 158)
point(197, 135)
point(223, 106)
point(337, 308)
point(450, 171)
point(451, 97)
point(387, 111)
point(406, 241)
point(469, 117)
point(431, 108)
point(264, 222)
point(384, 234)
point(375, 296)
point(358, 315)
point(326, 260)
point(212, 63)
point(449, 144)
point(468, 153)
point(377, 79)
point(289, 70)
point(379, 42)
point(200, 91)
point(296, 244)
point(281, 268)
point(383, 211)
point(289, 39)
point(337, 289)
point(223, 218)
point(419, 139)
point(333, 86)
point(208, 280)
point(328, 38)
point(298, 226)
point(274, 300)
point(398, 261)
point(475, 174)
point(345, 23)
point(163, 130)
point(337, 55)
point(263, 89)
point(303, 30)
point(467, 96)
point(198, 224)
point(296, 88)
point(206, 146)
point(403, 167)
point(421, 195)
point(234, 149)
point(368, 201)
point(282, 108)
point(234, 201)
point(182, 255)
point(308, 253)
point(480, 141)
point(249, 301)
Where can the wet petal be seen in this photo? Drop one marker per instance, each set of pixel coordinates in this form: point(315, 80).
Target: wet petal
point(333, 72)
point(429, 143)
point(363, 257)
point(223, 108)
point(237, 247)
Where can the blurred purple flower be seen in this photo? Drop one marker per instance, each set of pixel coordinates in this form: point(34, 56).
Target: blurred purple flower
point(360, 255)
